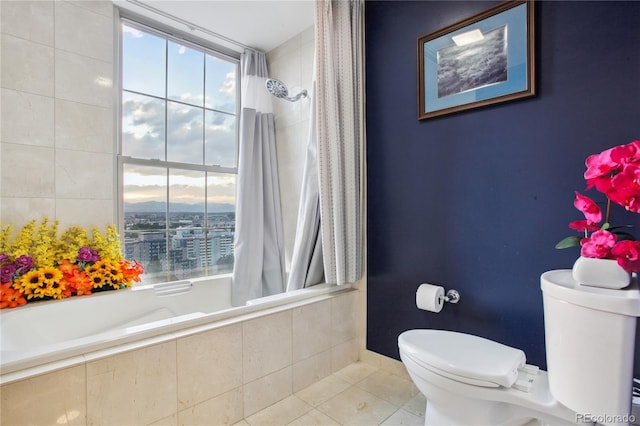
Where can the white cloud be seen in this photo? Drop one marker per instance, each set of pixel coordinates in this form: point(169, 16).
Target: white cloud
point(143, 128)
point(228, 86)
point(132, 32)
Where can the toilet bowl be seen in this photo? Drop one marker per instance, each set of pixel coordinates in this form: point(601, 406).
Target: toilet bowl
point(470, 380)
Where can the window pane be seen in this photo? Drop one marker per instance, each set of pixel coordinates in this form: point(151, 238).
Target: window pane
point(186, 197)
point(221, 193)
point(179, 223)
point(187, 218)
point(221, 220)
point(220, 139)
point(186, 254)
point(143, 62)
point(143, 126)
point(184, 133)
point(185, 82)
point(145, 196)
point(220, 84)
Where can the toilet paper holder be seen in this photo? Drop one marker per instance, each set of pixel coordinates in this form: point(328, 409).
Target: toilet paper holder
point(452, 296)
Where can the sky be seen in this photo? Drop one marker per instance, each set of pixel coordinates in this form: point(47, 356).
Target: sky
point(201, 92)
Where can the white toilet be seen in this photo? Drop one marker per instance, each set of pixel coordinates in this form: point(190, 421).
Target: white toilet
point(590, 335)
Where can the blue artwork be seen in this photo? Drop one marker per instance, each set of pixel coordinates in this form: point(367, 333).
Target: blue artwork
point(481, 61)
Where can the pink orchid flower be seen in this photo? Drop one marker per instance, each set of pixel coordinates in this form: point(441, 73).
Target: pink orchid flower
point(625, 188)
point(599, 165)
point(627, 254)
point(625, 154)
point(599, 245)
point(583, 226)
point(586, 205)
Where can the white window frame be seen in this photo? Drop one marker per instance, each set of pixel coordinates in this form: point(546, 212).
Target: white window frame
point(171, 34)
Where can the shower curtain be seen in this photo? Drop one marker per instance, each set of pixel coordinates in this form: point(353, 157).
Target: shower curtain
point(306, 259)
point(259, 266)
point(338, 98)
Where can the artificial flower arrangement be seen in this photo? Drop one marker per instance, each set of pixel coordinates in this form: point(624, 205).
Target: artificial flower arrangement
point(40, 265)
point(614, 172)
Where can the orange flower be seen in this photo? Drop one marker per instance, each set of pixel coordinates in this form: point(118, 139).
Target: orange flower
point(131, 271)
point(80, 283)
point(67, 267)
point(9, 297)
point(76, 281)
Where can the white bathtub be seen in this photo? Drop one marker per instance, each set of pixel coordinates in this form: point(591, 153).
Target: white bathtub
point(43, 336)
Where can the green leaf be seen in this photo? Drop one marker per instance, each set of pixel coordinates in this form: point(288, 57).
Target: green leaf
point(619, 227)
point(572, 241)
point(605, 225)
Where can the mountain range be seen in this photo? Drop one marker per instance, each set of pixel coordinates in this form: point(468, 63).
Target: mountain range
point(159, 207)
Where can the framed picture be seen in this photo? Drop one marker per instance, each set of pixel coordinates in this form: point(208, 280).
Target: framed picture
point(483, 60)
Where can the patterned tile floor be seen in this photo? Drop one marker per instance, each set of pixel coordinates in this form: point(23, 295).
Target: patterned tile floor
point(359, 394)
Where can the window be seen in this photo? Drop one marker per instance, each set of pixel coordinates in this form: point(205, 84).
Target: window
point(178, 154)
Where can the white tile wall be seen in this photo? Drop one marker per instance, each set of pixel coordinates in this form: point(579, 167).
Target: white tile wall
point(27, 171)
point(47, 392)
point(29, 20)
point(80, 30)
point(311, 369)
point(27, 208)
point(209, 365)
point(311, 330)
point(20, 110)
point(57, 137)
point(83, 127)
point(136, 387)
point(83, 175)
point(27, 66)
point(83, 212)
point(83, 79)
point(267, 345)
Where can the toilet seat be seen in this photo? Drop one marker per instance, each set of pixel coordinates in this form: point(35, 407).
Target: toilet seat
point(463, 357)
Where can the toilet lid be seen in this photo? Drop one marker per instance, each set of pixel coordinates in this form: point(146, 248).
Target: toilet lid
point(463, 357)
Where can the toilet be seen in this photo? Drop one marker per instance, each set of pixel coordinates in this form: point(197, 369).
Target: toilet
point(589, 334)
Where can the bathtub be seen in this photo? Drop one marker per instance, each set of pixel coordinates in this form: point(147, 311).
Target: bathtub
point(44, 336)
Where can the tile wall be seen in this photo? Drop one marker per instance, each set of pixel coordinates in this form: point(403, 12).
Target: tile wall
point(215, 376)
point(292, 63)
point(57, 112)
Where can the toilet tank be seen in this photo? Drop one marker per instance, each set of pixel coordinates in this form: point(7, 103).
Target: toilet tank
point(590, 337)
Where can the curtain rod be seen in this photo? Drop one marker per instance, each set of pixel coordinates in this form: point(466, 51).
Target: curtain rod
point(190, 25)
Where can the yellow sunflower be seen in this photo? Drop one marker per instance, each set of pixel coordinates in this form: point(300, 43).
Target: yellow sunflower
point(30, 283)
point(108, 272)
point(54, 284)
point(96, 277)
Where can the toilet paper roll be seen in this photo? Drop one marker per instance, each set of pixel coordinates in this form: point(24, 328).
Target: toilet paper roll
point(430, 297)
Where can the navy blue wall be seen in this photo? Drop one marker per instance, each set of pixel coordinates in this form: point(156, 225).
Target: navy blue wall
point(477, 200)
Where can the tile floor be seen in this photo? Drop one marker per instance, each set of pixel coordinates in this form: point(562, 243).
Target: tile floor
point(359, 394)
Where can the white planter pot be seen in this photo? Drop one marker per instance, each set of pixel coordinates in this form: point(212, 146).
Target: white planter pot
point(605, 273)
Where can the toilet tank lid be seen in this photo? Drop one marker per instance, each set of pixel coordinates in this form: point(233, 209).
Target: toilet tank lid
point(463, 355)
point(560, 284)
